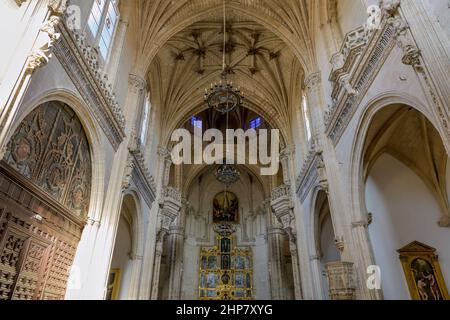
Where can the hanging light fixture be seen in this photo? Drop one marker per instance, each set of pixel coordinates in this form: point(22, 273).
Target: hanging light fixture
point(222, 96)
point(227, 174)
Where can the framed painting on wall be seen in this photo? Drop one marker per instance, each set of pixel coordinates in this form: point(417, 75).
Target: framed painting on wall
point(113, 287)
point(423, 273)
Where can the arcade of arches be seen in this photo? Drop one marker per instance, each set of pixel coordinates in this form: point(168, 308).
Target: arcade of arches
point(93, 206)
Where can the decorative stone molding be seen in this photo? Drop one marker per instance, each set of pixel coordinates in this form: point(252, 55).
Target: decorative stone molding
point(313, 174)
point(411, 54)
point(126, 182)
point(390, 6)
point(40, 57)
point(363, 223)
point(81, 63)
point(142, 178)
point(137, 171)
point(177, 230)
point(225, 229)
point(57, 6)
point(344, 61)
point(282, 206)
point(341, 280)
point(313, 81)
point(137, 84)
point(281, 192)
point(170, 208)
point(362, 58)
point(314, 257)
point(339, 243)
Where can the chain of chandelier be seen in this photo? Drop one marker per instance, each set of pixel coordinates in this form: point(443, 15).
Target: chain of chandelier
point(225, 98)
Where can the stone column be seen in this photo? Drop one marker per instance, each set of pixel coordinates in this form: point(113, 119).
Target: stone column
point(99, 253)
point(316, 272)
point(135, 276)
point(169, 210)
point(157, 264)
point(275, 242)
point(282, 206)
point(162, 178)
point(176, 239)
point(295, 268)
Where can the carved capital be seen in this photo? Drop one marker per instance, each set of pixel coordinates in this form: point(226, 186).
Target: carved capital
point(313, 81)
point(137, 84)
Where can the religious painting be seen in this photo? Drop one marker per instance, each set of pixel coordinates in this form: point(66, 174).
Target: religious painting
point(225, 208)
point(226, 261)
point(240, 263)
point(225, 245)
point(211, 281)
point(113, 286)
point(212, 262)
point(423, 273)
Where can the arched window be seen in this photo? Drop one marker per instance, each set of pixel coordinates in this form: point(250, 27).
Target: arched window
point(255, 123)
point(197, 122)
point(307, 119)
point(102, 23)
point(145, 120)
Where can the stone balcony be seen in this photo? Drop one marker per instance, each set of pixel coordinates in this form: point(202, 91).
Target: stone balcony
point(344, 61)
point(354, 68)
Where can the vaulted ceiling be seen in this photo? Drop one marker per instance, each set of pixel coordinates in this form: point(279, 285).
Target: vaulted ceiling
point(268, 52)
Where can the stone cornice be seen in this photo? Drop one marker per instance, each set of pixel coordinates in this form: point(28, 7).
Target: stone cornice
point(82, 67)
point(309, 176)
point(142, 178)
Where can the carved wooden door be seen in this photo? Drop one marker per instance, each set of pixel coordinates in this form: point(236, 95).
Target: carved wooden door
point(44, 197)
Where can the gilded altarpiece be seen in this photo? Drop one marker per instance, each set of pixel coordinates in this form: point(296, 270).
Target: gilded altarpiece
point(45, 181)
point(226, 271)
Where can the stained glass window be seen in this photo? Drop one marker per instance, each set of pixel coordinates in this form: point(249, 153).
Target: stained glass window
point(102, 23)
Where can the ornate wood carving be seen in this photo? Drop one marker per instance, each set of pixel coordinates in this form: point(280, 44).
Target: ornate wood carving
point(50, 149)
point(44, 197)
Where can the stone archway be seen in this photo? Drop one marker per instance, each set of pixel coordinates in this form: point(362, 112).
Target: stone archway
point(325, 244)
point(404, 174)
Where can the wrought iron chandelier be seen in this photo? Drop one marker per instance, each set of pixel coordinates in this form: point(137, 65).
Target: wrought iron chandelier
point(227, 174)
point(222, 96)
